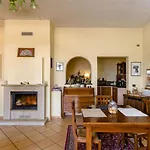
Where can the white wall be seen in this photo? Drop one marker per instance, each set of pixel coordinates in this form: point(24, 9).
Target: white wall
point(107, 67)
point(146, 51)
point(40, 41)
point(93, 42)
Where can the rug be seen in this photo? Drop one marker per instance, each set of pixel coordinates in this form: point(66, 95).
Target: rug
point(109, 142)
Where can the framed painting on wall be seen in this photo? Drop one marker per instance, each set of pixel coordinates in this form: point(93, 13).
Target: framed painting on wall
point(135, 68)
point(59, 66)
point(25, 52)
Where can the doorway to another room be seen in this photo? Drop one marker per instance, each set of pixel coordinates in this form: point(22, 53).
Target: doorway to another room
point(112, 77)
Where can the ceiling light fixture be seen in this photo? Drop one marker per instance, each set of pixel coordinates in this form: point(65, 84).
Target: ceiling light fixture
point(33, 4)
point(15, 4)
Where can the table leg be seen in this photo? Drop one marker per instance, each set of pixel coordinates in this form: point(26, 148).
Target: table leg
point(88, 138)
point(148, 140)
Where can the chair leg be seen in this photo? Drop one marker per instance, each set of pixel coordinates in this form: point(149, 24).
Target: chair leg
point(140, 142)
point(123, 141)
point(99, 145)
point(135, 142)
point(75, 145)
point(125, 138)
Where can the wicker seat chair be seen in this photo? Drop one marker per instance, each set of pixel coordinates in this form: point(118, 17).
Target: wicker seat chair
point(139, 137)
point(103, 99)
point(80, 133)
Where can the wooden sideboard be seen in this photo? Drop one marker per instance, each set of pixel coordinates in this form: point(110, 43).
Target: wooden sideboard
point(83, 97)
point(135, 101)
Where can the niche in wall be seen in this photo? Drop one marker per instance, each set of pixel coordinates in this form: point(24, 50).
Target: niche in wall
point(78, 64)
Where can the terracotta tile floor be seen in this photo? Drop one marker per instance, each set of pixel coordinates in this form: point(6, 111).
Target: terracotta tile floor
point(49, 137)
point(52, 136)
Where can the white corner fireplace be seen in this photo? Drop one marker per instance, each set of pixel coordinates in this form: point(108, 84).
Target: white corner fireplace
point(24, 103)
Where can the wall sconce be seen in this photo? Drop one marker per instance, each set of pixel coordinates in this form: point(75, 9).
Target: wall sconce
point(86, 75)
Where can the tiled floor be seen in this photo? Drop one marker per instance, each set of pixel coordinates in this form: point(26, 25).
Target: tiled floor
point(49, 137)
point(52, 136)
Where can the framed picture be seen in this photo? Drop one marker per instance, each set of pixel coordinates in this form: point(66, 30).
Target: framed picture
point(59, 66)
point(135, 68)
point(25, 52)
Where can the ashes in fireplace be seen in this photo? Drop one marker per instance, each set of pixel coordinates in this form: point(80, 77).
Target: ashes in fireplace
point(26, 100)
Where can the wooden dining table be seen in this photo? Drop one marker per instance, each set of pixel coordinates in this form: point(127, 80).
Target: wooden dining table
point(116, 123)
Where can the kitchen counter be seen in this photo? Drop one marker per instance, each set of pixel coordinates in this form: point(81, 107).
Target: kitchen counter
point(114, 86)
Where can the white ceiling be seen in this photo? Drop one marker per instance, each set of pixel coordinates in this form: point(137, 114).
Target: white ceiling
point(84, 13)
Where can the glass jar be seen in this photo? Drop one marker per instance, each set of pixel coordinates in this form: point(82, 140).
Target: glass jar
point(112, 107)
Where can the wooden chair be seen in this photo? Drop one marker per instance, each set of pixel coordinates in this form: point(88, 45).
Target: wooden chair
point(80, 134)
point(140, 136)
point(103, 99)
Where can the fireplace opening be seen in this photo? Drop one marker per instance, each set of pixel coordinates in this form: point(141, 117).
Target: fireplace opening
point(24, 100)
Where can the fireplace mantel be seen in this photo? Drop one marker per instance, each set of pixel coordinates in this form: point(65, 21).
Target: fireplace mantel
point(11, 114)
point(23, 85)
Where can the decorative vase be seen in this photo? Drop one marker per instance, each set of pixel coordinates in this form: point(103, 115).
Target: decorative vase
point(134, 89)
point(112, 107)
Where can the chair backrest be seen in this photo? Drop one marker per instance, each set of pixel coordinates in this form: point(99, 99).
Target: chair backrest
point(74, 124)
point(103, 99)
point(146, 103)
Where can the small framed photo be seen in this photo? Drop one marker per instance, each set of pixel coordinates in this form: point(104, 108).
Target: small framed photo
point(135, 68)
point(25, 52)
point(59, 66)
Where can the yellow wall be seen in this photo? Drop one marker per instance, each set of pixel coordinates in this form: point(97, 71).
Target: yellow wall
point(52, 69)
point(97, 42)
point(1, 50)
point(40, 41)
point(1, 68)
point(1, 39)
point(52, 29)
point(70, 42)
point(146, 51)
point(107, 67)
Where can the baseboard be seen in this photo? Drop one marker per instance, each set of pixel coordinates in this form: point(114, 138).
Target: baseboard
point(23, 122)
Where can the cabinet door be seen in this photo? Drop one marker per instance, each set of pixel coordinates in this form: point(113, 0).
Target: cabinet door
point(105, 90)
point(115, 94)
point(98, 90)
